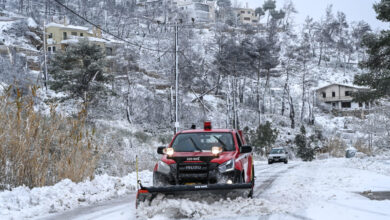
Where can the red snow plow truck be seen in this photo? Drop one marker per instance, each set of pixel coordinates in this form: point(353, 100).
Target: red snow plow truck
point(202, 161)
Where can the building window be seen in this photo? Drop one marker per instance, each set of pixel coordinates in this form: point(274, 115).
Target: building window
point(50, 35)
point(323, 94)
point(74, 33)
point(54, 49)
point(242, 12)
point(367, 105)
point(333, 94)
point(81, 34)
point(49, 49)
point(360, 105)
point(334, 104)
point(248, 12)
point(64, 35)
point(346, 104)
point(247, 19)
point(347, 93)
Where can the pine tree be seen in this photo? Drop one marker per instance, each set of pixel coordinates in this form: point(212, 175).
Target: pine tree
point(378, 62)
point(265, 136)
point(79, 71)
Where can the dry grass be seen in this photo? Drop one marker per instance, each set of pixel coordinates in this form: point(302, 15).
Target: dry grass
point(361, 146)
point(38, 150)
point(336, 147)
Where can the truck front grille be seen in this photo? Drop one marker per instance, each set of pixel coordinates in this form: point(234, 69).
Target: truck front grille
point(195, 172)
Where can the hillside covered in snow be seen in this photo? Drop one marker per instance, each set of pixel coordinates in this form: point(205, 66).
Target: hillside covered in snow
point(236, 75)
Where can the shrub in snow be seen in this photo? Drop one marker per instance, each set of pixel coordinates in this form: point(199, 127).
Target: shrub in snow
point(304, 149)
point(361, 146)
point(336, 147)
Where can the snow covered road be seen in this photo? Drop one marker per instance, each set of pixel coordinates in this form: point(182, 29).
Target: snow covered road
point(124, 207)
point(322, 189)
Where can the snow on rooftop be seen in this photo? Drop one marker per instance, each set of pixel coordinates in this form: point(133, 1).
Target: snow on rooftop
point(321, 86)
point(94, 39)
point(76, 40)
point(67, 26)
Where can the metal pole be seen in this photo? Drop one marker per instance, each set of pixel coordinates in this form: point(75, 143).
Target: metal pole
point(44, 49)
point(177, 78)
point(228, 104)
point(136, 168)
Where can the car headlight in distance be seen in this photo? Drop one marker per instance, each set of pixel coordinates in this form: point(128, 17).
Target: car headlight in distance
point(227, 166)
point(163, 167)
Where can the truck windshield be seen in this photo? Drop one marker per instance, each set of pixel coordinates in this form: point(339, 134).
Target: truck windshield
point(193, 142)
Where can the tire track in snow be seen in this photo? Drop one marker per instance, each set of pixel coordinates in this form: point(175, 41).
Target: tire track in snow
point(267, 182)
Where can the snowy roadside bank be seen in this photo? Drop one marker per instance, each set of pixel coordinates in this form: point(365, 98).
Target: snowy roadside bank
point(329, 189)
point(23, 202)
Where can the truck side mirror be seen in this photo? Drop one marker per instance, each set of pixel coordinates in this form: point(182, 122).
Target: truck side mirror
point(160, 149)
point(246, 149)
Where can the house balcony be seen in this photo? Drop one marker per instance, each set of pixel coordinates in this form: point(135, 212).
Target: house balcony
point(336, 99)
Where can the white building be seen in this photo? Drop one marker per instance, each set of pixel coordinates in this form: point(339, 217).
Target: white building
point(200, 10)
point(339, 97)
point(246, 16)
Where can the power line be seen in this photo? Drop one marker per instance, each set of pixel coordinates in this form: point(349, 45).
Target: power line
point(106, 31)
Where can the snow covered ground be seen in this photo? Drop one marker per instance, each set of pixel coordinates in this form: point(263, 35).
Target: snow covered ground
point(322, 189)
point(22, 202)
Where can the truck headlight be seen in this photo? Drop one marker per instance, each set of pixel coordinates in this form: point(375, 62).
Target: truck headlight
point(163, 167)
point(227, 166)
point(169, 151)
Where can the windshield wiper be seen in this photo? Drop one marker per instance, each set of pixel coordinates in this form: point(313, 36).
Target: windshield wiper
point(196, 146)
point(221, 142)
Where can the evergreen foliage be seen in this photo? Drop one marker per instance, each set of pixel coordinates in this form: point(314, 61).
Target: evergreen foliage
point(378, 62)
point(304, 149)
point(265, 136)
point(269, 5)
point(79, 71)
point(259, 11)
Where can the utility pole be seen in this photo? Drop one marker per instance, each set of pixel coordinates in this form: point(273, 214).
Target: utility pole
point(228, 105)
point(44, 51)
point(176, 78)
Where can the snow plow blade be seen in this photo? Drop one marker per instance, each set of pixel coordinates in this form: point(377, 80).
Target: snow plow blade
point(226, 190)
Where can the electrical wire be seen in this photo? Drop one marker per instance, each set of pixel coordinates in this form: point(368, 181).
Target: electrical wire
point(106, 31)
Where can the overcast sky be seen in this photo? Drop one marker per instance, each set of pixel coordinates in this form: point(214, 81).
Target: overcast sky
point(355, 10)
